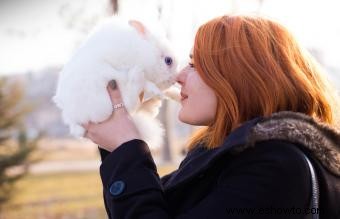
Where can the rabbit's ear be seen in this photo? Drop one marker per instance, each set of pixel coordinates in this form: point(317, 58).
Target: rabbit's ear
point(138, 26)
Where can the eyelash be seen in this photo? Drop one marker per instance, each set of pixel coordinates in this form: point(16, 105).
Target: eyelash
point(191, 65)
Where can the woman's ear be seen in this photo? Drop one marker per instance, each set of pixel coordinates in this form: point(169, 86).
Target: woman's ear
point(138, 26)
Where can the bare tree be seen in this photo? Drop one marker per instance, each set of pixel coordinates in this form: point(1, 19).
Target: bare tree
point(114, 6)
point(15, 146)
point(260, 5)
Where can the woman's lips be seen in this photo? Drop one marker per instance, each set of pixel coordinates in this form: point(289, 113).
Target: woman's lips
point(183, 96)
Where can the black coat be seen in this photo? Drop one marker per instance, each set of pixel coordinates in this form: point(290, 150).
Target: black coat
point(257, 172)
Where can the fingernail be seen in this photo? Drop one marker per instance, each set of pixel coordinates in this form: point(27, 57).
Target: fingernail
point(113, 84)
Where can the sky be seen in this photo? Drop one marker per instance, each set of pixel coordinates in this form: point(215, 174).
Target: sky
point(37, 34)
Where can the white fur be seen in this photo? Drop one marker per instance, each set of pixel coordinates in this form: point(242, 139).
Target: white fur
point(116, 50)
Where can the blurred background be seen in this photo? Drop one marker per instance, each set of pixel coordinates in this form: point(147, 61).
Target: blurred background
point(44, 172)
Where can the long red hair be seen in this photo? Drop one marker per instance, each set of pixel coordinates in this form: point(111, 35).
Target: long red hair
point(256, 68)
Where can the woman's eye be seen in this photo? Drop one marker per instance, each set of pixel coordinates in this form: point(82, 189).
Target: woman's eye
point(191, 65)
point(168, 60)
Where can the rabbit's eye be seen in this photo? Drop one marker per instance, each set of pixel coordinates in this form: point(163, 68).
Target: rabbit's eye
point(168, 60)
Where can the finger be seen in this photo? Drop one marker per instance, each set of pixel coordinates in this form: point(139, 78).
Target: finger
point(90, 129)
point(114, 92)
point(88, 135)
point(87, 125)
point(115, 95)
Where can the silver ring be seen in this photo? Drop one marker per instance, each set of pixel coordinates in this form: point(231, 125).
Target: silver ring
point(117, 106)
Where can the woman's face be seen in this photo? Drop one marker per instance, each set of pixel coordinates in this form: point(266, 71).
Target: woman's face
point(198, 100)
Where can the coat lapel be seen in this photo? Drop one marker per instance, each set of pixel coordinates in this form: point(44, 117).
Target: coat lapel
point(201, 159)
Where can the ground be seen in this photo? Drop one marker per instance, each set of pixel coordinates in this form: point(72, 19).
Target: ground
point(71, 191)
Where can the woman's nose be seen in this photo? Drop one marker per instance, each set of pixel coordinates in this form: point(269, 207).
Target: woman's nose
point(180, 77)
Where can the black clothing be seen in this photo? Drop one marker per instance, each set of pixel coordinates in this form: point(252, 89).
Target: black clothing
point(256, 173)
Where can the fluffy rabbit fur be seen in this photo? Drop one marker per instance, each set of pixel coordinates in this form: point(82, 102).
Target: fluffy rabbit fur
point(140, 62)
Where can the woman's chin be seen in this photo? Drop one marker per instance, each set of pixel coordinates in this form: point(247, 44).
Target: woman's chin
point(182, 117)
point(189, 119)
point(186, 119)
point(179, 116)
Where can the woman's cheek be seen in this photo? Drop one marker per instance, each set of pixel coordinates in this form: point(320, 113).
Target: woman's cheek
point(186, 112)
point(190, 112)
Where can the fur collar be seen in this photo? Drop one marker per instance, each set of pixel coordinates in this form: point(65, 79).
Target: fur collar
point(321, 139)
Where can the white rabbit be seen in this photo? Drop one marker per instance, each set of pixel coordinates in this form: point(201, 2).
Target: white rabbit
point(141, 64)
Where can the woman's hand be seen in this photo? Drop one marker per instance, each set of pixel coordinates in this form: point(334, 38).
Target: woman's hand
point(117, 129)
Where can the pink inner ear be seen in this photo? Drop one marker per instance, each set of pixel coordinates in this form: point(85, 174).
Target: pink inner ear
point(138, 26)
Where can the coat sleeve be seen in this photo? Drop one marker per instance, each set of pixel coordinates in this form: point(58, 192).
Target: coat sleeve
point(131, 185)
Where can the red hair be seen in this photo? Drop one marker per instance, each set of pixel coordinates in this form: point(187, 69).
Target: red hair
point(256, 68)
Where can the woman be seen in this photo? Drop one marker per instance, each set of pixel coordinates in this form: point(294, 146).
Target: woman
point(262, 101)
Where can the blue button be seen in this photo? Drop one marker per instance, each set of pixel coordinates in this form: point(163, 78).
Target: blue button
point(117, 188)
